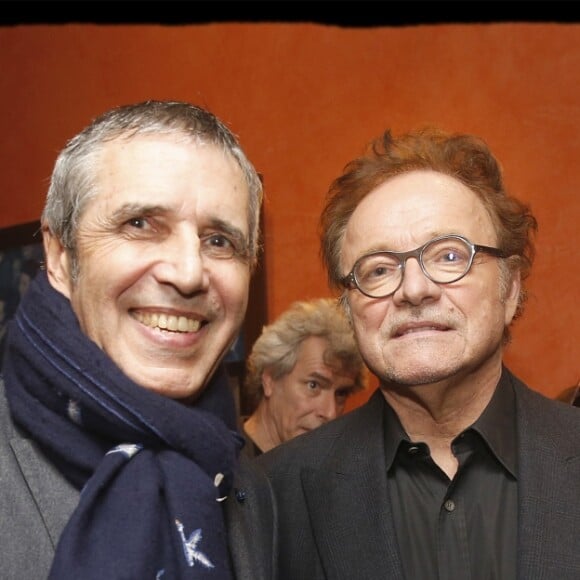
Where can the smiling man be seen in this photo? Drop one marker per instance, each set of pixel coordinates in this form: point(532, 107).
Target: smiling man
point(453, 468)
point(113, 373)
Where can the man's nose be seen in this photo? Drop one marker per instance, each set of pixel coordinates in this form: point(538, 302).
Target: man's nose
point(327, 406)
point(182, 264)
point(415, 285)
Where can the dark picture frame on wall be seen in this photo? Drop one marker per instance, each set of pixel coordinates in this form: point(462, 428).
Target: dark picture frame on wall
point(21, 256)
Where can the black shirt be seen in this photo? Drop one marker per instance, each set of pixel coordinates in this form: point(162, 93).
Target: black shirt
point(465, 528)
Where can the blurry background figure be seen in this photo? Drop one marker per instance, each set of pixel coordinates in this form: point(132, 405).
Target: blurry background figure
point(300, 372)
point(571, 395)
point(18, 265)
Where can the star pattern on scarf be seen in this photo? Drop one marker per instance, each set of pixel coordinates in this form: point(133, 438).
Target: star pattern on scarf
point(128, 449)
point(73, 410)
point(192, 554)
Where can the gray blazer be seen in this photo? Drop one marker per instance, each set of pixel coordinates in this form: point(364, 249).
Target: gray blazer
point(334, 511)
point(36, 503)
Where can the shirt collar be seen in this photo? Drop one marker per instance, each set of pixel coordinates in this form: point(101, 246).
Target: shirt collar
point(394, 433)
point(496, 425)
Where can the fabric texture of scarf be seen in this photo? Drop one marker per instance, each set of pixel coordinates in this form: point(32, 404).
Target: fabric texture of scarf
point(152, 471)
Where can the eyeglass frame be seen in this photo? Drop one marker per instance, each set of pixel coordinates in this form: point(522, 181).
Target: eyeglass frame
point(350, 281)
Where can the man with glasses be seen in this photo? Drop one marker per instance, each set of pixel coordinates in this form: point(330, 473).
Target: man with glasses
point(453, 468)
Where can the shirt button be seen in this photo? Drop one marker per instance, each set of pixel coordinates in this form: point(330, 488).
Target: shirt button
point(413, 450)
point(449, 505)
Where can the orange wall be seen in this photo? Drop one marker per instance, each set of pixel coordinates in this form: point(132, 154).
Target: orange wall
point(304, 99)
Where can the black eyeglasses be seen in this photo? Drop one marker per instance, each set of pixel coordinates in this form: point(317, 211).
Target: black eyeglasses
point(444, 259)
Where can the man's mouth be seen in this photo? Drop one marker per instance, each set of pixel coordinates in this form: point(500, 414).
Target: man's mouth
point(169, 322)
point(412, 328)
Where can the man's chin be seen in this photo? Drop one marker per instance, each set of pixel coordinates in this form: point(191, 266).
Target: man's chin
point(418, 377)
point(174, 385)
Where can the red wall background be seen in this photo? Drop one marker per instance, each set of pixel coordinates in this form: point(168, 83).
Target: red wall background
point(305, 98)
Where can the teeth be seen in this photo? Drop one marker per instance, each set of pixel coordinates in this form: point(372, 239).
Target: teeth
point(168, 322)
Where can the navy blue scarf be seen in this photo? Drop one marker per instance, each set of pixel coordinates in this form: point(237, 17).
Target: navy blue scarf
point(148, 467)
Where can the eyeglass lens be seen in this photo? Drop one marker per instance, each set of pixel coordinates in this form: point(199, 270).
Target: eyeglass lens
point(443, 261)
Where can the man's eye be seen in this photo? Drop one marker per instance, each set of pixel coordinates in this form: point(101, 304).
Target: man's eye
point(379, 272)
point(219, 241)
point(137, 222)
point(312, 385)
point(342, 395)
point(219, 246)
point(451, 256)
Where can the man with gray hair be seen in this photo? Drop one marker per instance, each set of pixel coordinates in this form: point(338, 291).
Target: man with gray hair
point(301, 371)
point(119, 444)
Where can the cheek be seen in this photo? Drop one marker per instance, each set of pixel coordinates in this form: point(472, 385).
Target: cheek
point(234, 290)
point(480, 308)
point(292, 399)
point(367, 315)
point(96, 246)
point(298, 408)
point(112, 278)
point(109, 263)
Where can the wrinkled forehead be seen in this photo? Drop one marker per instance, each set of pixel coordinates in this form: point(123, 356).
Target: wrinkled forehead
point(409, 209)
point(160, 172)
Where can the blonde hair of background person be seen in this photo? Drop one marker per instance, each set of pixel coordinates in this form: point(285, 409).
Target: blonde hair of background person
point(300, 372)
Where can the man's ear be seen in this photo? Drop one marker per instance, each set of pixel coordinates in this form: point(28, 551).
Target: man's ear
point(58, 262)
point(267, 384)
point(512, 296)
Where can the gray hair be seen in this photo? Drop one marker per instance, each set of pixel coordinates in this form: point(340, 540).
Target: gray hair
point(74, 178)
point(276, 348)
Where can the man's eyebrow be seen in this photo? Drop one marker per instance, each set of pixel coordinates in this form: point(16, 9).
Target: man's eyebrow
point(319, 377)
point(128, 210)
